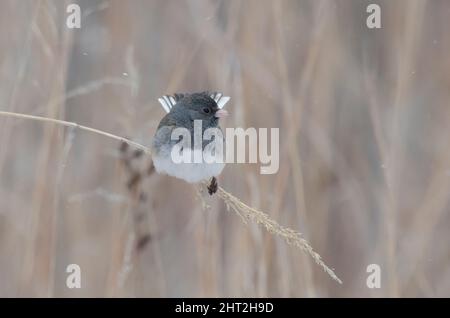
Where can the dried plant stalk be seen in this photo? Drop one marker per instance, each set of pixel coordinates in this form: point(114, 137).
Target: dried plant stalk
point(75, 125)
point(241, 209)
point(290, 236)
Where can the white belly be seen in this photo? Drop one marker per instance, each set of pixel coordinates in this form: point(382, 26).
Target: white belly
point(190, 172)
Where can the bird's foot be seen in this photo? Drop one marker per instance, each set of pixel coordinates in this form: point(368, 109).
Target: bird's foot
point(213, 186)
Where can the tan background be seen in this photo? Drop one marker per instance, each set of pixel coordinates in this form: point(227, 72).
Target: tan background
point(364, 120)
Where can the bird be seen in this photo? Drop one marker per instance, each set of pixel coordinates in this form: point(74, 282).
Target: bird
point(182, 110)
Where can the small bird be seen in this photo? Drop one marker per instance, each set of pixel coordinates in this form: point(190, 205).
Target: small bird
point(182, 110)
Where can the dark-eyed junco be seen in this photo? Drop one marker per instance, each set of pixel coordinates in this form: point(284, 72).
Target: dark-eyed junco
point(182, 110)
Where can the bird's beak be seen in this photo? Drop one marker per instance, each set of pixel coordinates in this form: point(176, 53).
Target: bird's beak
point(221, 113)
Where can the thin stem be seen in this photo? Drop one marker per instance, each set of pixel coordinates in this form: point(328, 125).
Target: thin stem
point(77, 126)
point(244, 211)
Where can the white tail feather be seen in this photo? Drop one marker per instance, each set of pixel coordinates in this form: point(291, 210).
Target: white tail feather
point(164, 104)
point(216, 96)
point(168, 101)
point(222, 101)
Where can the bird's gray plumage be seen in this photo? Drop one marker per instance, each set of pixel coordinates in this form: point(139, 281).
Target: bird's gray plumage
point(188, 107)
point(182, 112)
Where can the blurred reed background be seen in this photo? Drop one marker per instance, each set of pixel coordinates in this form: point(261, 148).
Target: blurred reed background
point(364, 120)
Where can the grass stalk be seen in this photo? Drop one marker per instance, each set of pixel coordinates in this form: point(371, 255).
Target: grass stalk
point(246, 212)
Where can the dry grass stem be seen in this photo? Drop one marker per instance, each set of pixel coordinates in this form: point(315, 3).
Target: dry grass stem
point(242, 210)
point(290, 236)
point(77, 126)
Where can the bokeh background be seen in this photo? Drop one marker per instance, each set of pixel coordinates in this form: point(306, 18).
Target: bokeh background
point(364, 120)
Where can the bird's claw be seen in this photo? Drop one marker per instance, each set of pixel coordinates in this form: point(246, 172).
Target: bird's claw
point(212, 188)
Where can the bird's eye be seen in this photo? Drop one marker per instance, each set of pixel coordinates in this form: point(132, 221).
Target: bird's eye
point(206, 110)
